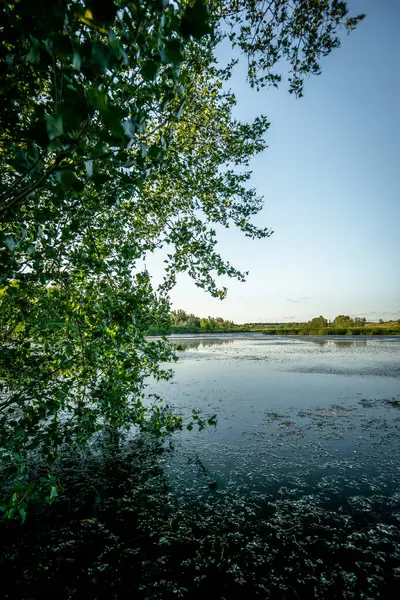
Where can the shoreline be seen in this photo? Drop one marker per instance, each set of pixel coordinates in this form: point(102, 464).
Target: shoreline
point(274, 333)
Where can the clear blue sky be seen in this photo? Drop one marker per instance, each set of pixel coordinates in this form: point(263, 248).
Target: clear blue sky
point(331, 182)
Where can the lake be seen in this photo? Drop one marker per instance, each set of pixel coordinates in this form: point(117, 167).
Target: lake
point(294, 495)
point(307, 442)
point(289, 407)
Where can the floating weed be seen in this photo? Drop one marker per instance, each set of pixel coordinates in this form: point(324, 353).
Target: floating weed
point(375, 403)
point(285, 514)
point(394, 403)
point(271, 416)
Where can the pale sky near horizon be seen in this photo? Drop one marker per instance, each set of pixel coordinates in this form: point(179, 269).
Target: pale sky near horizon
point(331, 182)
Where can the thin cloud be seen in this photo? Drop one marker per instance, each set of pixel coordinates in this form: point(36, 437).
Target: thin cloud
point(297, 300)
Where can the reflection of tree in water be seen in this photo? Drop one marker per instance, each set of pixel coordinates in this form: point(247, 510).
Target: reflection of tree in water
point(345, 344)
point(319, 342)
point(119, 532)
point(92, 541)
point(197, 344)
point(349, 344)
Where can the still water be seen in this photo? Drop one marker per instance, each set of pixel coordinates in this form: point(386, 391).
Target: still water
point(299, 482)
point(294, 495)
point(291, 412)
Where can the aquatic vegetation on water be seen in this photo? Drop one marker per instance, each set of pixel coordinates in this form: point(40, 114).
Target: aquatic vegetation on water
point(121, 530)
point(295, 494)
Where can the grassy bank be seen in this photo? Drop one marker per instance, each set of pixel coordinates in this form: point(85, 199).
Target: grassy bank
point(361, 331)
point(181, 322)
point(280, 330)
point(176, 330)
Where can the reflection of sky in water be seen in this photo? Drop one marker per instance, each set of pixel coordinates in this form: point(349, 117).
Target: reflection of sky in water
point(296, 413)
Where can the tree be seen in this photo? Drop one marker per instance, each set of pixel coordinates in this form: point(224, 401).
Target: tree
point(178, 317)
point(318, 322)
point(193, 322)
point(343, 321)
point(360, 321)
point(117, 138)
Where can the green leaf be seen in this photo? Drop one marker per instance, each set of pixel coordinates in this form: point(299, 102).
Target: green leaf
point(104, 11)
point(22, 513)
point(149, 69)
point(100, 179)
point(173, 51)
point(9, 242)
point(180, 109)
point(97, 98)
point(53, 492)
point(33, 55)
point(195, 21)
point(54, 126)
point(72, 119)
point(62, 46)
point(129, 128)
point(100, 56)
point(70, 180)
point(75, 100)
point(11, 291)
point(76, 60)
point(89, 167)
point(112, 118)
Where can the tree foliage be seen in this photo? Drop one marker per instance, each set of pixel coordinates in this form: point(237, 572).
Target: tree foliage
point(346, 321)
point(318, 322)
point(181, 319)
point(117, 138)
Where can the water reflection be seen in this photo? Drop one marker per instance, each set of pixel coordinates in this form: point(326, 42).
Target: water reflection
point(307, 445)
point(293, 495)
point(257, 340)
point(121, 522)
point(345, 344)
point(198, 344)
point(348, 344)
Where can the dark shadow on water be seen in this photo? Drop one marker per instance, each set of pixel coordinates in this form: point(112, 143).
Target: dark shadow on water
point(320, 342)
point(121, 531)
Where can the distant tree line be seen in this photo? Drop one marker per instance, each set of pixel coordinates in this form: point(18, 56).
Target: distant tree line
point(182, 322)
point(340, 325)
